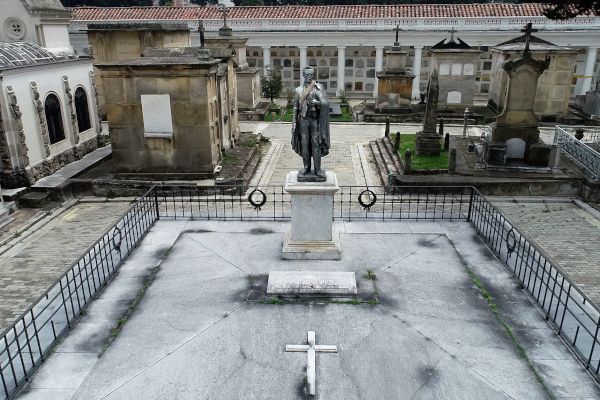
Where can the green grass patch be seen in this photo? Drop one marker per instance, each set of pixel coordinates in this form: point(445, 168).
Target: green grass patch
point(228, 159)
point(277, 114)
point(507, 328)
point(138, 297)
point(407, 141)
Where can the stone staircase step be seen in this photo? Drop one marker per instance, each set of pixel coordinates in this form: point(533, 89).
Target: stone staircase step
point(389, 162)
point(389, 148)
point(379, 162)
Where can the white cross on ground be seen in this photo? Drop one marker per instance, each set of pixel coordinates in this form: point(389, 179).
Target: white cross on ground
point(310, 349)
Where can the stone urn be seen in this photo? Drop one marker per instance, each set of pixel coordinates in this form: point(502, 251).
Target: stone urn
point(579, 133)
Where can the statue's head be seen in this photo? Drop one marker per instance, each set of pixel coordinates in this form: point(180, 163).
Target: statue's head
point(308, 73)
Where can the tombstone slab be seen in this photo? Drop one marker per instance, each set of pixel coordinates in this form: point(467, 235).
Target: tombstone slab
point(311, 284)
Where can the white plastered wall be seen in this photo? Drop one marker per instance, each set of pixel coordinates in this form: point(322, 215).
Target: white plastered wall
point(49, 80)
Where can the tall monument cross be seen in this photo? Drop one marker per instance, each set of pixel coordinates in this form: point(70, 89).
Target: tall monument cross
point(224, 10)
point(311, 348)
point(452, 32)
point(528, 31)
point(201, 31)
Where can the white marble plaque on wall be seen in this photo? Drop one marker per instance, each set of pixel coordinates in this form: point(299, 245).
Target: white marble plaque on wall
point(515, 148)
point(469, 69)
point(456, 69)
point(454, 97)
point(156, 109)
point(444, 69)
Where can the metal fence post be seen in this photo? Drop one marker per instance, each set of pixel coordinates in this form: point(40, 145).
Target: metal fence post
point(156, 202)
point(470, 204)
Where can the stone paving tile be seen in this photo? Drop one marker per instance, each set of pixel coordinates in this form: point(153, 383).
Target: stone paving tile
point(567, 234)
point(28, 269)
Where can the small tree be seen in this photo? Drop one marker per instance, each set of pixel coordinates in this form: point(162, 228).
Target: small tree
point(272, 84)
point(343, 95)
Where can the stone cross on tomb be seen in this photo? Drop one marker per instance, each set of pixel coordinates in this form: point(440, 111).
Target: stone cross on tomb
point(201, 31)
point(224, 10)
point(311, 348)
point(528, 31)
point(452, 32)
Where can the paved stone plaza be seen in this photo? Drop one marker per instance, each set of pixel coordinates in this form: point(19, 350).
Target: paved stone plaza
point(36, 256)
point(417, 314)
point(194, 335)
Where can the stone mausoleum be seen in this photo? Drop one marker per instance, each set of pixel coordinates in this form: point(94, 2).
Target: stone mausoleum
point(171, 113)
point(553, 90)
point(123, 41)
point(456, 63)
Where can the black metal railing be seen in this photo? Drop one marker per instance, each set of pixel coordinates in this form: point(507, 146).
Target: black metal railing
point(349, 203)
point(568, 310)
point(31, 338)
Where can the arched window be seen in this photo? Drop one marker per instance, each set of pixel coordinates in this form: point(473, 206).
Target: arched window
point(82, 109)
point(54, 119)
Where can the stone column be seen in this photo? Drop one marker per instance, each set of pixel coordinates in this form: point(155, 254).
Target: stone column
point(302, 62)
point(589, 69)
point(416, 91)
point(378, 66)
point(266, 57)
point(341, 65)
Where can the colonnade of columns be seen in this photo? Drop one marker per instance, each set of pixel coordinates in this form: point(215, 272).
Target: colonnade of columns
point(590, 62)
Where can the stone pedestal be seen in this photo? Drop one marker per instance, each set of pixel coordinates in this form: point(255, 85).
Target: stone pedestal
point(311, 236)
point(428, 144)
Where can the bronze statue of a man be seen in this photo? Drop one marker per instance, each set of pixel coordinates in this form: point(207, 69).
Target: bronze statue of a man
point(310, 127)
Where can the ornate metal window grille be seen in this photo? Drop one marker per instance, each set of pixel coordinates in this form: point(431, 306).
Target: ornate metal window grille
point(54, 119)
point(82, 109)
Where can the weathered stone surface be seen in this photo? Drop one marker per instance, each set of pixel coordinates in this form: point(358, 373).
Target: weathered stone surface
point(312, 284)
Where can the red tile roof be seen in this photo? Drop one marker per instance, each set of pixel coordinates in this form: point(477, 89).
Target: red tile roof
point(290, 12)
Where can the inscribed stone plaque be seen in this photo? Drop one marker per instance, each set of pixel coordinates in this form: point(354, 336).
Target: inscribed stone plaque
point(312, 62)
point(287, 63)
point(156, 109)
point(359, 74)
point(469, 69)
point(444, 69)
point(333, 62)
point(323, 63)
point(333, 73)
point(128, 45)
point(311, 283)
point(277, 62)
point(323, 73)
point(370, 62)
point(369, 87)
point(360, 64)
point(333, 84)
point(454, 97)
point(370, 73)
point(287, 74)
point(349, 72)
point(349, 62)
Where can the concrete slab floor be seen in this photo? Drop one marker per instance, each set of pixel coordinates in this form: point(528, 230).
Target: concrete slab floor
point(193, 335)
